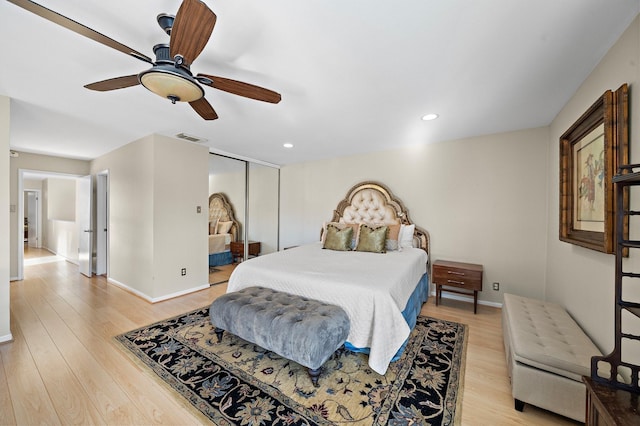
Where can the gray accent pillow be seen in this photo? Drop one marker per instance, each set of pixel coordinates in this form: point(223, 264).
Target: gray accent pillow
point(338, 239)
point(372, 239)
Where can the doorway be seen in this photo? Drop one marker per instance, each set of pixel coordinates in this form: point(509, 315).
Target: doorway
point(32, 246)
point(32, 218)
point(52, 195)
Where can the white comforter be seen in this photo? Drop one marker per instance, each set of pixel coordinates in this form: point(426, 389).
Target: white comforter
point(372, 288)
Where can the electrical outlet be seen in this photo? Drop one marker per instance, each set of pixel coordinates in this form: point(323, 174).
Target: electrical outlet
point(198, 209)
point(496, 286)
point(183, 271)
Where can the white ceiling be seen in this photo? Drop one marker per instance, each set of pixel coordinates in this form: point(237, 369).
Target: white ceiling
point(355, 76)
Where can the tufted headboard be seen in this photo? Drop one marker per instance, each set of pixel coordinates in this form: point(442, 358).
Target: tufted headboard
point(372, 202)
point(221, 209)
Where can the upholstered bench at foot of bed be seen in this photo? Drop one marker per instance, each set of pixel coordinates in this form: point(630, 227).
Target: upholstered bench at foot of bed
point(547, 355)
point(302, 330)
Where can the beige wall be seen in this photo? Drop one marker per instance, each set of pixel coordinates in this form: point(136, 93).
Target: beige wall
point(32, 184)
point(155, 185)
point(46, 163)
point(5, 326)
point(580, 279)
point(60, 229)
point(180, 232)
point(130, 213)
point(62, 195)
point(483, 200)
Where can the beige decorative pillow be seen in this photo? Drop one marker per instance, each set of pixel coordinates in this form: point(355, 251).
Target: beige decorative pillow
point(213, 226)
point(338, 239)
point(372, 238)
point(393, 237)
point(224, 227)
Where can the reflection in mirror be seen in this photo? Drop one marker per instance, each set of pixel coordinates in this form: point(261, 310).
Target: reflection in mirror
point(263, 207)
point(227, 195)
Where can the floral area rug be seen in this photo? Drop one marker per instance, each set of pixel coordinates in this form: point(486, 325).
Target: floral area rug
point(235, 382)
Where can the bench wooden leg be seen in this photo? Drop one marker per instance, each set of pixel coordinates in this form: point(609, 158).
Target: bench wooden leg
point(314, 374)
point(519, 405)
point(219, 332)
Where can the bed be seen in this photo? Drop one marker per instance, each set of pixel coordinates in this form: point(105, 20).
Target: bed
point(382, 293)
point(223, 229)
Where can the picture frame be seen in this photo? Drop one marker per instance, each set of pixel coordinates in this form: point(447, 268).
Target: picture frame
point(591, 151)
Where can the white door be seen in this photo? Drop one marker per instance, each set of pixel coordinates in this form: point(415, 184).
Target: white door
point(32, 219)
point(102, 220)
point(84, 188)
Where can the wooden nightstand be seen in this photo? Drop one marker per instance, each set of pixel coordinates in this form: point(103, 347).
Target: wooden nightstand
point(237, 249)
point(458, 277)
point(607, 406)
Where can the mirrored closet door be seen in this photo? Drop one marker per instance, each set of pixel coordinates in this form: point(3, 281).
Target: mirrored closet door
point(243, 206)
point(264, 183)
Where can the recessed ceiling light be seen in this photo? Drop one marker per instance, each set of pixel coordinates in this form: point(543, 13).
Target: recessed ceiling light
point(288, 145)
point(429, 117)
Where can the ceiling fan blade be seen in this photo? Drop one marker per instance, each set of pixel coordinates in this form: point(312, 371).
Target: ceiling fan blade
point(204, 108)
point(191, 30)
point(243, 89)
point(114, 83)
point(76, 27)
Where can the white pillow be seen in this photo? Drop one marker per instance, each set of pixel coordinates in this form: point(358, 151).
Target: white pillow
point(224, 227)
point(405, 238)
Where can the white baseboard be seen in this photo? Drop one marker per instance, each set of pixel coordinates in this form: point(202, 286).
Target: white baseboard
point(6, 338)
point(156, 299)
point(68, 259)
point(180, 293)
point(13, 279)
point(467, 299)
point(129, 289)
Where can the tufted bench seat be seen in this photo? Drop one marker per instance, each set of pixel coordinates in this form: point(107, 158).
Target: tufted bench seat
point(547, 355)
point(296, 328)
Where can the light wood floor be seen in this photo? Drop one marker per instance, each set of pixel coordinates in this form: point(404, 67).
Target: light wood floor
point(221, 274)
point(63, 366)
point(32, 252)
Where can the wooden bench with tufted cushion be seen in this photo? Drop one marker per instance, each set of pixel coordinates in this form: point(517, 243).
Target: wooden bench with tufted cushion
point(302, 330)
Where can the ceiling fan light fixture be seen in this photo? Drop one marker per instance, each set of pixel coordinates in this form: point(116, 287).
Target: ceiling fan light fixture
point(170, 83)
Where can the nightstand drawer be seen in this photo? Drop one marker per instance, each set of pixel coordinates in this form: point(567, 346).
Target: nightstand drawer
point(457, 276)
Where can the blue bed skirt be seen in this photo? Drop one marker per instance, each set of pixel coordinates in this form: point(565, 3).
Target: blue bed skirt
point(410, 314)
point(219, 259)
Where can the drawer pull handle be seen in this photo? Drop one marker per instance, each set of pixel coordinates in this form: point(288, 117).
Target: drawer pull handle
point(456, 282)
point(455, 273)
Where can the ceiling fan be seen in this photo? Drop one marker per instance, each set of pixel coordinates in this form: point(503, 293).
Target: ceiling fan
point(170, 75)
